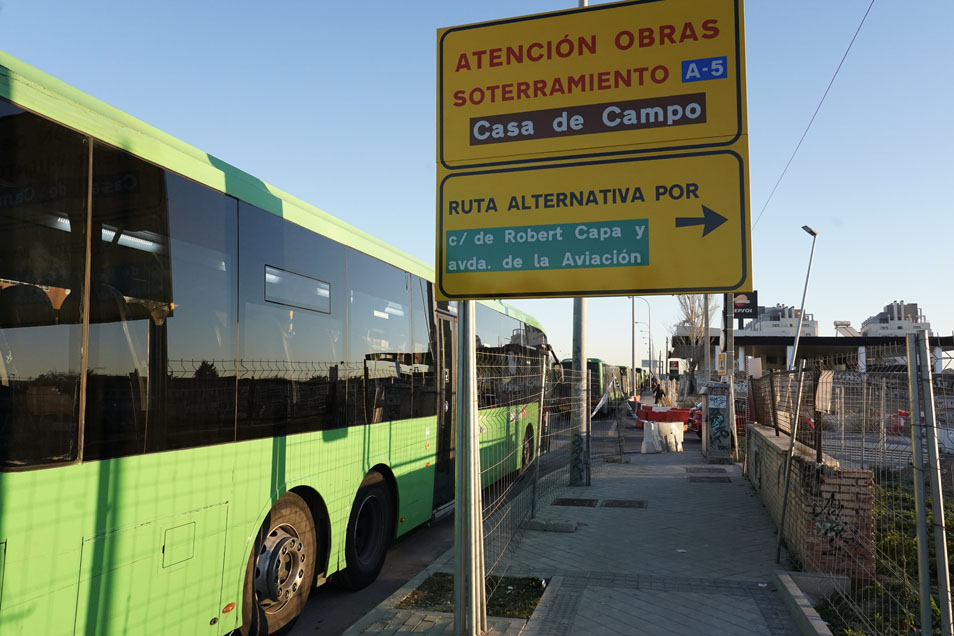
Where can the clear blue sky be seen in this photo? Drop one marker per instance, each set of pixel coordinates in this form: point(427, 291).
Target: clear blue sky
point(335, 103)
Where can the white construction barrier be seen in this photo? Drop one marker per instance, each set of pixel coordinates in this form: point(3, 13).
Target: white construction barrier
point(671, 433)
point(660, 437)
point(651, 441)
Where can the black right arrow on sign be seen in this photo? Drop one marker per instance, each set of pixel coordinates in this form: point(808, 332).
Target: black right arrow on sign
point(710, 220)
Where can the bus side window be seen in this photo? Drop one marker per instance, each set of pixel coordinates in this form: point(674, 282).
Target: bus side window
point(424, 387)
point(158, 354)
point(292, 303)
point(379, 361)
point(129, 225)
point(44, 170)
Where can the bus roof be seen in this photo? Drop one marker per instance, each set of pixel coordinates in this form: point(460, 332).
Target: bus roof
point(35, 90)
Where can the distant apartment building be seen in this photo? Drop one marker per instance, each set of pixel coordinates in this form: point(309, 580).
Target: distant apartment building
point(897, 319)
point(771, 337)
point(779, 320)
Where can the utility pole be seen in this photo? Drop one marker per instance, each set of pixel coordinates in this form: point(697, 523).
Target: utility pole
point(705, 322)
point(580, 406)
point(730, 370)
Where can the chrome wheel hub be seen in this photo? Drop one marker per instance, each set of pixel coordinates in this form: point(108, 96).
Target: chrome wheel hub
point(279, 568)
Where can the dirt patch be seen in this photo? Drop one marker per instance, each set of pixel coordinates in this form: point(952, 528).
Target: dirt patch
point(507, 597)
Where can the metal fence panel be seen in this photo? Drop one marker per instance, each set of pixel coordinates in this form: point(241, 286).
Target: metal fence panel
point(852, 496)
point(517, 479)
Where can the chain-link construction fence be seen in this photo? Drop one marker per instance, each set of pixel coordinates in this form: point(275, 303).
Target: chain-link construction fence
point(532, 448)
point(854, 494)
point(510, 389)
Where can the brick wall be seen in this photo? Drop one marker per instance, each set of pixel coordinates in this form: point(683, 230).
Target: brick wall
point(829, 525)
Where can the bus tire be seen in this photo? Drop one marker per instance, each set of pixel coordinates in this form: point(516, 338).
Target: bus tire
point(281, 568)
point(370, 530)
point(527, 451)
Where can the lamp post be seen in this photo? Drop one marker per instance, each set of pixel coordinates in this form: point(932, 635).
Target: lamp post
point(632, 333)
point(649, 332)
point(801, 312)
point(649, 310)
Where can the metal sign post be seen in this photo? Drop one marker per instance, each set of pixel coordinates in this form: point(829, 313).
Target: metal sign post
point(470, 616)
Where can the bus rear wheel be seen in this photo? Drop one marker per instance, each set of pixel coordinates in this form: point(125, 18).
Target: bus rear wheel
point(370, 529)
point(527, 448)
point(281, 568)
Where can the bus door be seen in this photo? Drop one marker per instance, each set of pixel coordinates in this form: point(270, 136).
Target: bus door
point(446, 410)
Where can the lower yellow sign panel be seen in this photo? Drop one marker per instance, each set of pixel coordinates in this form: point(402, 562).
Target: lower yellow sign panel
point(649, 225)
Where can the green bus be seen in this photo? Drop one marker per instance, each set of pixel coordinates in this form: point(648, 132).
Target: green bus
point(631, 383)
point(625, 381)
point(601, 375)
point(213, 396)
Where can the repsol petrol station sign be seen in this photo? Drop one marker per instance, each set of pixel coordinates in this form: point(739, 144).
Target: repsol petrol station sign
point(599, 151)
point(745, 304)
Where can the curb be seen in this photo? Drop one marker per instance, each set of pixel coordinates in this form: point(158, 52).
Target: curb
point(371, 617)
point(535, 622)
point(800, 607)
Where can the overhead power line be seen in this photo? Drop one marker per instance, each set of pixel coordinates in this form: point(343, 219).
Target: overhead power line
point(817, 108)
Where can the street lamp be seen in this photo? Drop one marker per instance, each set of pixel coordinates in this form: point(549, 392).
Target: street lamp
point(649, 332)
point(801, 312)
point(649, 325)
point(632, 335)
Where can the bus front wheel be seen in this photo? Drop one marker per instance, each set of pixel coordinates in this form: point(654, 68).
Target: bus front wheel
point(281, 568)
point(370, 529)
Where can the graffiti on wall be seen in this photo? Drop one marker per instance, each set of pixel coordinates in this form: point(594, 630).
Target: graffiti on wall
point(720, 436)
point(830, 516)
point(827, 514)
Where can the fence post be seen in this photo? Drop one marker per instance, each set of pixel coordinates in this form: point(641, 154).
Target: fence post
point(864, 416)
point(774, 403)
point(788, 463)
point(619, 429)
point(920, 511)
point(841, 415)
point(937, 497)
point(882, 436)
point(539, 444)
point(588, 426)
point(816, 415)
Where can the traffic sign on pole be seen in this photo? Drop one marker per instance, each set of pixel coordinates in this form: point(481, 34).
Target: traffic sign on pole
point(600, 151)
point(640, 225)
point(620, 78)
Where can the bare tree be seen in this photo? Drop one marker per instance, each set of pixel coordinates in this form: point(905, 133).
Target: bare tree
point(689, 337)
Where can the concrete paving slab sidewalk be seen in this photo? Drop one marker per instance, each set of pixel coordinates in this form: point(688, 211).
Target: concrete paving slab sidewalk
point(697, 559)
